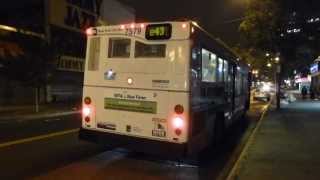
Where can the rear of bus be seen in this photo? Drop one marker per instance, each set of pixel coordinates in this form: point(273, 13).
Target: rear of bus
point(136, 87)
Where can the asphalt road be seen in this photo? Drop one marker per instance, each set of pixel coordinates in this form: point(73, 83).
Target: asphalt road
point(49, 149)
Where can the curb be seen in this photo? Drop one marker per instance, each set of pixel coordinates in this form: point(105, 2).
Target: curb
point(233, 175)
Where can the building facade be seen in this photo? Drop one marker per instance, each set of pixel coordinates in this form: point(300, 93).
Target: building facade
point(62, 24)
point(315, 74)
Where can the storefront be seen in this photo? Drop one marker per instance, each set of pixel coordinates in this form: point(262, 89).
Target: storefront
point(61, 25)
point(315, 74)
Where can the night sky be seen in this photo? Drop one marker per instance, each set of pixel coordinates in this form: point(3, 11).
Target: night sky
point(213, 15)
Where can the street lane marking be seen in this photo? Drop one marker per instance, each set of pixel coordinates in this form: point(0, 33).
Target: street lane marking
point(234, 171)
point(6, 120)
point(52, 120)
point(37, 138)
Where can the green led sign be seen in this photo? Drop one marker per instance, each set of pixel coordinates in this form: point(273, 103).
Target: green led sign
point(158, 31)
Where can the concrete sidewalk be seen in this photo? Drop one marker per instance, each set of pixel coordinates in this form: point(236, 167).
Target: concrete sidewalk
point(28, 111)
point(286, 145)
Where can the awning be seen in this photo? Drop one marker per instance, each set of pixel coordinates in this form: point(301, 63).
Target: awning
point(10, 49)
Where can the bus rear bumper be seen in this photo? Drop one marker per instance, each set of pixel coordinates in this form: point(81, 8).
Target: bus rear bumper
point(161, 148)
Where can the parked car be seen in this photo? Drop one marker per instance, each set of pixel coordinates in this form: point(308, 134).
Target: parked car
point(263, 92)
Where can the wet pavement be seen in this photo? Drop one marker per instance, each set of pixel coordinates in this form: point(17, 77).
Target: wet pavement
point(64, 156)
point(286, 145)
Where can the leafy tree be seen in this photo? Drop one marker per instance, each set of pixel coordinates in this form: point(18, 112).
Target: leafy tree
point(261, 22)
point(265, 26)
point(256, 59)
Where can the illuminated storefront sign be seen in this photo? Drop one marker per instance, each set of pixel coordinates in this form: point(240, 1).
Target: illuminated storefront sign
point(314, 69)
point(73, 64)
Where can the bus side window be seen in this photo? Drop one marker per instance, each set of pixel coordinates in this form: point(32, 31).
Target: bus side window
point(195, 64)
point(209, 66)
point(225, 70)
point(238, 83)
point(230, 82)
point(220, 70)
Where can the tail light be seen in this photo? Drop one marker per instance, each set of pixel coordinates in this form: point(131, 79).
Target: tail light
point(179, 109)
point(91, 31)
point(178, 123)
point(86, 111)
point(87, 100)
point(87, 119)
point(178, 132)
point(184, 25)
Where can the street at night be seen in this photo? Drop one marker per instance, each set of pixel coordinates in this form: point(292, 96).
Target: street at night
point(127, 89)
point(51, 150)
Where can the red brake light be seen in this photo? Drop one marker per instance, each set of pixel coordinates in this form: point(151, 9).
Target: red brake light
point(179, 109)
point(87, 100)
point(178, 132)
point(87, 119)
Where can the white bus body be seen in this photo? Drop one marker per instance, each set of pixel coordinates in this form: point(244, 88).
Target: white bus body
point(141, 92)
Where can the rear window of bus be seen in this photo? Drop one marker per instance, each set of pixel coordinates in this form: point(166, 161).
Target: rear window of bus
point(143, 50)
point(119, 48)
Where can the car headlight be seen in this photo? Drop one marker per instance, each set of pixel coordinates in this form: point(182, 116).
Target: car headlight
point(266, 88)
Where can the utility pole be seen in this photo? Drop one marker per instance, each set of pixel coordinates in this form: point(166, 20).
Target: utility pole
point(48, 96)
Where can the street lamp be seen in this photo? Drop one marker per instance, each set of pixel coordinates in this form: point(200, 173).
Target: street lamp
point(269, 65)
point(267, 54)
point(255, 72)
point(277, 59)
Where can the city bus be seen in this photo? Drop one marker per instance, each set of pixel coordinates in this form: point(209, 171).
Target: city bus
point(161, 88)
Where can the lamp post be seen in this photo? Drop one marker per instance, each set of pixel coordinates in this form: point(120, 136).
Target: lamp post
point(278, 81)
point(277, 74)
